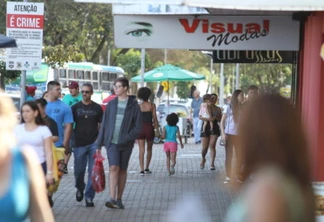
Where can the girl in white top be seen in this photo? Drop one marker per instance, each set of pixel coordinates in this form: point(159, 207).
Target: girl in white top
point(228, 127)
point(34, 132)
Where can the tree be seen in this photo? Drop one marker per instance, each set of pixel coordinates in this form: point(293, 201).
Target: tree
point(7, 76)
point(56, 56)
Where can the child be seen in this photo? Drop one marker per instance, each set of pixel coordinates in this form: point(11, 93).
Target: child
point(205, 112)
point(170, 133)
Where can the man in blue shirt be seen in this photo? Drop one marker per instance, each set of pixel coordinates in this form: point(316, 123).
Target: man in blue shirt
point(61, 113)
point(195, 105)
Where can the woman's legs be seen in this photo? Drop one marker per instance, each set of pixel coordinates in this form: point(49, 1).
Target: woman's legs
point(141, 145)
point(168, 161)
point(229, 155)
point(212, 147)
point(204, 149)
point(149, 153)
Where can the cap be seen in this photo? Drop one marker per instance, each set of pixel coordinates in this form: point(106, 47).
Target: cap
point(73, 85)
point(31, 89)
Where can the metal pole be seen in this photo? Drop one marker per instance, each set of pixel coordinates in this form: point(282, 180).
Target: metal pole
point(165, 56)
point(142, 67)
point(211, 75)
point(221, 88)
point(108, 57)
point(237, 86)
point(23, 84)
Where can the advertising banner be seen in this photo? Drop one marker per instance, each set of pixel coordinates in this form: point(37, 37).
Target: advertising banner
point(25, 21)
point(270, 56)
point(207, 32)
point(156, 9)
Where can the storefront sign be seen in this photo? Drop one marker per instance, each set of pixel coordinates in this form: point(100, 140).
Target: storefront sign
point(207, 32)
point(270, 56)
point(25, 21)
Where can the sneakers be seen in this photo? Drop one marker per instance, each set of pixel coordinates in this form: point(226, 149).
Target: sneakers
point(111, 203)
point(142, 173)
point(147, 171)
point(79, 195)
point(227, 180)
point(89, 203)
point(120, 204)
point(65, 169)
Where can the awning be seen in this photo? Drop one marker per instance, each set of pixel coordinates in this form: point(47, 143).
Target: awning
point(273, 5)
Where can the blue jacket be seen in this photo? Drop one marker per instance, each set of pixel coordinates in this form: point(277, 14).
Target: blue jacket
point(130, 127)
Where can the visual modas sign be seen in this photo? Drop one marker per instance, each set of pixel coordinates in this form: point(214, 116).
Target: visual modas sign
point(25, 21)
point(207, 32)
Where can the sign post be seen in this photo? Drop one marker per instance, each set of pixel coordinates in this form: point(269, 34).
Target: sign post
point(25, 24)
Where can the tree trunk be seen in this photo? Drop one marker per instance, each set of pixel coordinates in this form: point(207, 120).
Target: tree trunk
point(2, 82)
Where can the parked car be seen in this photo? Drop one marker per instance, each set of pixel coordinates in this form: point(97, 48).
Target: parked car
point(183, 112)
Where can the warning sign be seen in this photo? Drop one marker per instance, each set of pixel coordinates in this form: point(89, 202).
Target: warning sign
point(25, 22)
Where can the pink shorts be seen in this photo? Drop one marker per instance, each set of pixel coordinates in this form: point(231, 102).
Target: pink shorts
point(170, 147)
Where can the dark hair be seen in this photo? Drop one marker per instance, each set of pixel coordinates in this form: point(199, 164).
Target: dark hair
point(112, 91)
point(172, 119)
point(253, 87)
point(33, 105)
point(124, 81)
point(144, 93)
point(235, 104)
point(271, 133)
point(206, 97)
point(87, 84)
point(46, 92)
point(41, 102)
point(51, 84)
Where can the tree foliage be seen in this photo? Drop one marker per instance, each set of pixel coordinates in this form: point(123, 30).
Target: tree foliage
point(7, 76)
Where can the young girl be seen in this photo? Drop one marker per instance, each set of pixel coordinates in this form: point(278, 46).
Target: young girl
point(205, 112)
point(170, 133)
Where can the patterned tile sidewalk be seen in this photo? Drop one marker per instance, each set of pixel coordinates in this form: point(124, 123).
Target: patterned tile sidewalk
point(190, 193)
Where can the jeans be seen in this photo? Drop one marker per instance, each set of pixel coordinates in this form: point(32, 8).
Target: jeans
point(82, 156)
point(197, 128)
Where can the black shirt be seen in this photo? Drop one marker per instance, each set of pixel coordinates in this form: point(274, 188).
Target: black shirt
point(52, 125)
point(86, 118)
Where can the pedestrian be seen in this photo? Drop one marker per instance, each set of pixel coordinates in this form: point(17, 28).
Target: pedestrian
point(62, 114)
point(209, 137)
point(108, 99)
point(150, 122)
point(170, 134)
point(71, 99)
point(87, 116)
point(30, 93)
point(252, 93)
point(194, 113)
point(205, 112)
point(120, 128)
point(20, 174)
point(50, 122)
point(229, 123)
point(33, 131)
point(276, 161)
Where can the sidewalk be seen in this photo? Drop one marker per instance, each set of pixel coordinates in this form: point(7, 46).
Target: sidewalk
point(151, 197)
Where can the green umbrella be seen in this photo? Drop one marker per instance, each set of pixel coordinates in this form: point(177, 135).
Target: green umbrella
point(168, 73)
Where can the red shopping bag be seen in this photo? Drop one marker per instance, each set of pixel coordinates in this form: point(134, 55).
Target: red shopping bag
point(98, 173)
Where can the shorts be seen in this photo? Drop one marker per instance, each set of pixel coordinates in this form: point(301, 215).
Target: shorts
point(118, 157)
point(170, 147)
point(147, 132)
point(216, 130)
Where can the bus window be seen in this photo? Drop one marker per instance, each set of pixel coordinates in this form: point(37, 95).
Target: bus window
point(87, 75)
point(62, 73)
point(95, 85)
point(105, 86)
point(63, 83)
point(94, 75)
point(105, 76)
point(72, 74)
point(80, 74)
point(113, 76)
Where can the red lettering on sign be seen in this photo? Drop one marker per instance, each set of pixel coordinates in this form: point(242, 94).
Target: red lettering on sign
point(25, 21)
point(218, 27)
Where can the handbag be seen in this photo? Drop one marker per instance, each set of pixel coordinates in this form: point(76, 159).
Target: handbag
point(98, 173)
point(58, 164)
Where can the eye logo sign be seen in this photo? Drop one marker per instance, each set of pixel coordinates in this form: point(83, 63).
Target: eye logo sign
point(139, 30)
point(157, 75)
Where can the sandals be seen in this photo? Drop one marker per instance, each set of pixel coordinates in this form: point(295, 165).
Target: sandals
point(202, 164)
point(212, 168)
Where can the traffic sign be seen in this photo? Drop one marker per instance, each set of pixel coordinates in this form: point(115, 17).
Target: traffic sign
point(25, 22)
